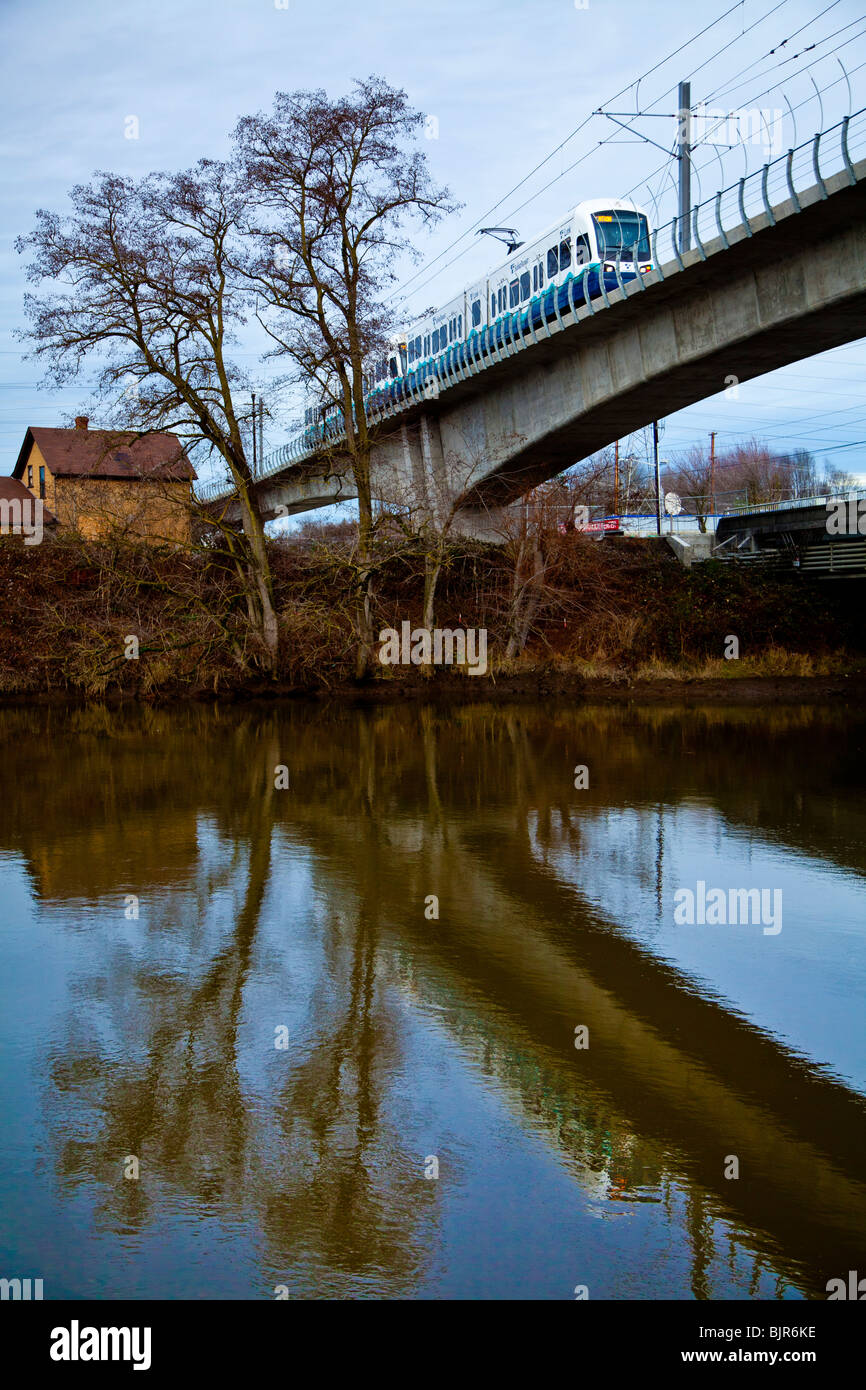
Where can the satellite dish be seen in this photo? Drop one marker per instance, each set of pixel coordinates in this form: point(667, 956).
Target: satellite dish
point(673, 505)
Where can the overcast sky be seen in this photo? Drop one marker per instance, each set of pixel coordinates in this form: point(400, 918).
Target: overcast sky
point(504, 83)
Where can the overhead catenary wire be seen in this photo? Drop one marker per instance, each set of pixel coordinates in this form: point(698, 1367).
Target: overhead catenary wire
point(404, 286)
point(581, 126)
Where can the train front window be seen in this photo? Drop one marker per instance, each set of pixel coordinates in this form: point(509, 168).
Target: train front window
point(619, 232)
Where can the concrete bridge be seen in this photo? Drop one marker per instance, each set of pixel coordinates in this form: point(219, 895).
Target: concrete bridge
point(767, 283)
point(825, 537)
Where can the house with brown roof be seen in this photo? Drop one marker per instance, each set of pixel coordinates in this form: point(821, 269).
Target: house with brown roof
point(99, 482)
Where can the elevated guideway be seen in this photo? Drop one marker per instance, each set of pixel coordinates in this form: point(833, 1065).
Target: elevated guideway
point(777, 273)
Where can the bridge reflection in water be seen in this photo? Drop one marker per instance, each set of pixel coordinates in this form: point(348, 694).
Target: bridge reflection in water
point(412, 1036)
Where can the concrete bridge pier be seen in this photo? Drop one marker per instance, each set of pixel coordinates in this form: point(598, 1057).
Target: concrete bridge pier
point(415, 475)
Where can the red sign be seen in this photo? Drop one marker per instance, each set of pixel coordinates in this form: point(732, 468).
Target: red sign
point(608, 524)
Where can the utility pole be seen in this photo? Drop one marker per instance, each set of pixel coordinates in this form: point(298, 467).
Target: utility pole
point(254, 434)
point(261, 431)
point(616, 478)
point(658, 477)
point(713, 472)
point(684, 152)
point(684, 140)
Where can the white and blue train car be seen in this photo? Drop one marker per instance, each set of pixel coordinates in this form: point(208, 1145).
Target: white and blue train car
point(596, 246)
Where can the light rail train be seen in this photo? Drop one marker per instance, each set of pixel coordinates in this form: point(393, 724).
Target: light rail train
point(598, 244)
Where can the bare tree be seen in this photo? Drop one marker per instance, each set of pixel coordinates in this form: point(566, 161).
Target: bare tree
point(336, 183)
point(142, 279)
point(693, 477)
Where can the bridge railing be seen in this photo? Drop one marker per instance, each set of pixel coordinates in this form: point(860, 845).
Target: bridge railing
point(730, 211)
point(791, 503)
point(736, 208)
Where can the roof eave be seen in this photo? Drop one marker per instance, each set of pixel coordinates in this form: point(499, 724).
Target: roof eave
point(23, 456)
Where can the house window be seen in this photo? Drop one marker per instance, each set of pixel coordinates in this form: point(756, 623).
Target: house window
point(41, 481)
point(30, 476)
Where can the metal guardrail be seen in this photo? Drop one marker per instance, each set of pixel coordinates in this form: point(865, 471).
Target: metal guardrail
point(785, 504)
point(730, 212)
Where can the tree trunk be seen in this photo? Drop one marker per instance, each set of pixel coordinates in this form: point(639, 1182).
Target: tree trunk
point(526, 599)
point(432, 570)
point(364, 595)
point(262, 580)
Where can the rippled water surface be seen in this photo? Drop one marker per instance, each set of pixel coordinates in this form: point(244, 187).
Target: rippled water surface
point(333, 1025)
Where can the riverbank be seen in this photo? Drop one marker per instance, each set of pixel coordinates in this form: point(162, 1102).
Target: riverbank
point(841, 688)
point(608, 623)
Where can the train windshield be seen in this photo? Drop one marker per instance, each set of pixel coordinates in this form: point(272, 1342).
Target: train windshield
point(620, 231)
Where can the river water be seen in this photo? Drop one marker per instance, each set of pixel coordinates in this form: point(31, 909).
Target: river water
point(323, 1002)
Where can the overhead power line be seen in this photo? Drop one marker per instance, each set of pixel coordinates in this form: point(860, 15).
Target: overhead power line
point(581, 126)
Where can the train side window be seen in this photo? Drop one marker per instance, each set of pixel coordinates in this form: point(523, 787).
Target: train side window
point(534, 278)
point(552, 262)
point(582, 254)
point(493, 306)
point(459, 325)
point(513, 294)
point(524, 285)
point(565, 254)
point(476, 312)
point(435, 345)
point(392, 363)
